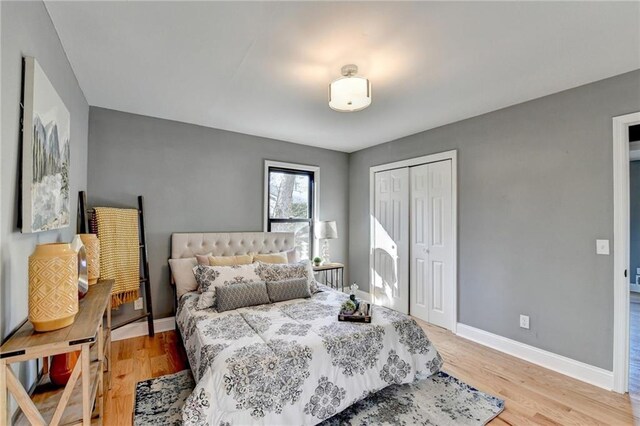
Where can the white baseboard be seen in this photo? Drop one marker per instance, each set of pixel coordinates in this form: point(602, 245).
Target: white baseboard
point(140, 328)
point(570, 367)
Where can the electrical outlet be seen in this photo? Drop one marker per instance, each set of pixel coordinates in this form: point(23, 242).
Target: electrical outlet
point(137, 304)
point(637, 271)
point(524, 321)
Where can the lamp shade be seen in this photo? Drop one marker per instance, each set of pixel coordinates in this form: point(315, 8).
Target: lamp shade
point(351, 92)
point(327, 229)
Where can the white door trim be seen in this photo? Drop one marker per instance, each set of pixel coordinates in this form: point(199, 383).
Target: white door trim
point(447, 155)
point(621, 249)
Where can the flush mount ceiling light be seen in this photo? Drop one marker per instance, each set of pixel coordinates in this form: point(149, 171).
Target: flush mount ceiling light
point(350, 93)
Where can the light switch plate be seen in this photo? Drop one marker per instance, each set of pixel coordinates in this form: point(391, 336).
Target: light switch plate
point(602, 247)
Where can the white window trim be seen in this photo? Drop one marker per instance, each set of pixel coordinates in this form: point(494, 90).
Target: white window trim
point(316, 192)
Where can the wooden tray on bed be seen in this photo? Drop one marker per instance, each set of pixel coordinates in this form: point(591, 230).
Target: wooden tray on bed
point(354, 318)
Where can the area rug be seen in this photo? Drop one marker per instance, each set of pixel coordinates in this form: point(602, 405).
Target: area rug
point(440, 400)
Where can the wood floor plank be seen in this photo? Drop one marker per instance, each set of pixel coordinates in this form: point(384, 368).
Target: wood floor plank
point(532, 394)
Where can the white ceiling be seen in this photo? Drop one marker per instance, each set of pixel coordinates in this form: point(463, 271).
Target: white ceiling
point(262, 68)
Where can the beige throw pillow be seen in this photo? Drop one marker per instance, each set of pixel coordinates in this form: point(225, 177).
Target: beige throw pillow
point(271, 257)
point(182, 272)
point(242, 259)
point(203, 259)
point(209, 260)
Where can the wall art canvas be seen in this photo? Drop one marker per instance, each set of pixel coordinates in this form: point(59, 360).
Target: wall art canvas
point(45, 153)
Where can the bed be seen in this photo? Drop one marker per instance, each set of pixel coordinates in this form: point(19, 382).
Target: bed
point(292, 362)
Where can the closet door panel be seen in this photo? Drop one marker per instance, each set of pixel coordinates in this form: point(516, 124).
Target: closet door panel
point(419, 241)
point(391, 239)
point(440, 285)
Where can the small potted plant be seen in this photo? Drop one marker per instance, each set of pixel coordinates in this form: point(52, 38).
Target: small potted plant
point(348, 307)
point(317, 261)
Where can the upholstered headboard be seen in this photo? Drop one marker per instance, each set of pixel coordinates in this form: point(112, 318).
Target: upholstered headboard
point(229, 243)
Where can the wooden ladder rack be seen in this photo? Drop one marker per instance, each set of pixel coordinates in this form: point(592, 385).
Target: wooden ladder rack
point(83, 227)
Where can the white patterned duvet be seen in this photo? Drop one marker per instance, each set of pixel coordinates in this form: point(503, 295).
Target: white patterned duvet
point(293, 362)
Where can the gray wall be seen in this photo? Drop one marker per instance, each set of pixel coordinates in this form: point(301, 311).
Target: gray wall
point(534, 192)
point(634, 242)
point(28, 31)
point(197, 179)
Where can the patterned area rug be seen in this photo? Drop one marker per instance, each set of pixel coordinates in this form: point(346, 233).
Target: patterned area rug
point(437, 400)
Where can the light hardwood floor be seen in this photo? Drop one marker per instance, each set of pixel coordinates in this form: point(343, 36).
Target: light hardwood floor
point(533, 395)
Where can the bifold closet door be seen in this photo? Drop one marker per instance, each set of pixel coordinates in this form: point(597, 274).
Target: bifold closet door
point(391, 239)
point(431, 268)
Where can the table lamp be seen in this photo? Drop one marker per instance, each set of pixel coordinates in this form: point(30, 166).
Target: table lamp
point(326, 230)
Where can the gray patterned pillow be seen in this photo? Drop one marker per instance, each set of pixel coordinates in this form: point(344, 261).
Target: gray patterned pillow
point(270, 272)
point(209, 278)
point(294, 288)
point(236, 296)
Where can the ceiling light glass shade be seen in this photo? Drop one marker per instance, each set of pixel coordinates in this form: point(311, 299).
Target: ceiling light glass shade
point(349, 93)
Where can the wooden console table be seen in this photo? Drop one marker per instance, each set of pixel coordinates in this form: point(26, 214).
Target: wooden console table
point(72, 405)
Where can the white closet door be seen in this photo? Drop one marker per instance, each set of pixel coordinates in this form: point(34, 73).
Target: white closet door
point(391, 239)
point(432, 247)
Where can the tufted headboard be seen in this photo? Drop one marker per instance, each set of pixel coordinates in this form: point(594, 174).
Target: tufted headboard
point(229, 243)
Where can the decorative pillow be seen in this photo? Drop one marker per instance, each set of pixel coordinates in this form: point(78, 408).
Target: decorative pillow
point(242, 259)
point(203, 259)
point(293, 255)
point(236, 296)
point(271, 257)
point(278, 272)
point(211, 277)
point(182, 272)
point(294, 288)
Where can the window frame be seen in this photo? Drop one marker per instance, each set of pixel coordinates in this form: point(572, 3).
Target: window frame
point(314, 173)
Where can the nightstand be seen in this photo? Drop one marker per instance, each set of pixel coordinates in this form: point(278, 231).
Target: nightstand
point(333, 274)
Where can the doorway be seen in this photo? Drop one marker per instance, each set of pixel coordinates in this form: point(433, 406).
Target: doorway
point(413, 246)
point(621, 250)
point(634, 260)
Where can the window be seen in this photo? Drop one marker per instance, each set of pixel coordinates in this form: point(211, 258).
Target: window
point(291, 202)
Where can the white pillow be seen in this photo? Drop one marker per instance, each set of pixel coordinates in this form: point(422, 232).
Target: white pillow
point(270, 272)
point(210, 277)
point(293, 255)
point(182, 272)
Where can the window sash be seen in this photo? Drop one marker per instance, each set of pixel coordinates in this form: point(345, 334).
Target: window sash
point(310, 200)
point(310, 191)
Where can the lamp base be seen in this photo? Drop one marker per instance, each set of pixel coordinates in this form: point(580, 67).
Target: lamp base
point(325, 252)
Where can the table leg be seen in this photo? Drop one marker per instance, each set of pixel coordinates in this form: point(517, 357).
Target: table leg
point(86, 385)
point(3, 393)
point(108, 343)
point(100, 401)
